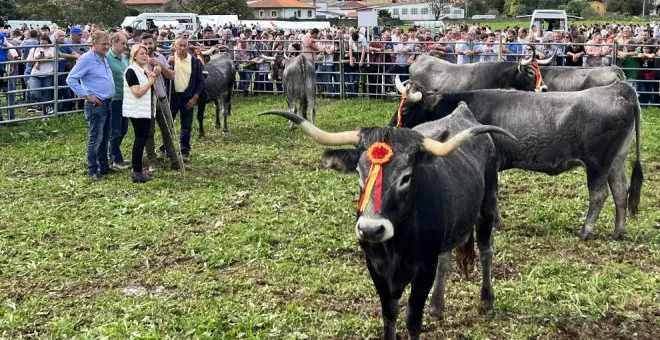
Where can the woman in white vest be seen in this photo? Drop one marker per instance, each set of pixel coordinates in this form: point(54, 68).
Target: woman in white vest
point(139, 105)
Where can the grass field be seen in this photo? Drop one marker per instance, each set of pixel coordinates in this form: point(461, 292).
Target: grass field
point(257, 241)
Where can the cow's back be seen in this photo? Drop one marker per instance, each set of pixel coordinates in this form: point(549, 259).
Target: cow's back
point(221, 75)
point(566, 79)
point(457, 181)
point(299, 77)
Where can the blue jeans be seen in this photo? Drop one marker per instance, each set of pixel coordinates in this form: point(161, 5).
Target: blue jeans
point(646, 98)
point(396, 69)
point(118, 129)
point(244, 84)
point(98, 119)
point(11, 99)
point(327, 78)
point(26, 79)
point(178, 104)
point(64, 92)
point(38, 95)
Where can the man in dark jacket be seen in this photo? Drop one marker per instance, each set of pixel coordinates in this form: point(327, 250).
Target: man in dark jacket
point(187, 87)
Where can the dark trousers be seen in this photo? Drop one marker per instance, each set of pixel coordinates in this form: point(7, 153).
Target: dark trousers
point(64, 92)
point(166, 126)
point(118, 129)
point(141, 130)
point(396, 69)
point(177, 105)
point(374, 78)
point(263, 85)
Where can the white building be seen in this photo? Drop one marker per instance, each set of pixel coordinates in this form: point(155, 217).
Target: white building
point(273, 9)
point(419, 11)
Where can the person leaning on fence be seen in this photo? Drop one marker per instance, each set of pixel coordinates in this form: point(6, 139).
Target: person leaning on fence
point(32, 39)
point(65, 53)
point(627, 54)
point(139, 104)
point(647, 73)
point(118, 123)
point(159, 66)
point(41, 59)
point(574, 52)
point(188, 86)
point(402, 50)
point(357, 56)
point(91, 79)
point(595, 51)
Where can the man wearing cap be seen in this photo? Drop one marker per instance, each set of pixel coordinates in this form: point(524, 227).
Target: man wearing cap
point(92, 79)
point(76, 39)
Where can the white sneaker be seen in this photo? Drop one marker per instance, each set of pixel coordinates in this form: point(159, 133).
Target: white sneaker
point(49, 110)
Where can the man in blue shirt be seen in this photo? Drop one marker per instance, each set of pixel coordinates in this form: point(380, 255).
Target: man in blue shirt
point(31, 41)
point(91, 79)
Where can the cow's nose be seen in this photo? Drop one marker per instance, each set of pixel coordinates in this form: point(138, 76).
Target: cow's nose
point(375, 230)
point(543, 89)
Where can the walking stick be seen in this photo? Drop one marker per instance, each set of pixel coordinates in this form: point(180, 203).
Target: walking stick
point(171, 129)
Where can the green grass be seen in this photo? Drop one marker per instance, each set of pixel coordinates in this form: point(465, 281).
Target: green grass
point(257, 241)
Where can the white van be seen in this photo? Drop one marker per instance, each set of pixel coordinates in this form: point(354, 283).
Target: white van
point(550, 20)
point(154, 21)
point(434, 27)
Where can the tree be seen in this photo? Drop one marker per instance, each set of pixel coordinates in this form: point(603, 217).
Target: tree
point(514, 7)
point(575, 7)
point(234, 7)
point(63, 12)
point(384, 14)
point(437, 6)
point(8, 10)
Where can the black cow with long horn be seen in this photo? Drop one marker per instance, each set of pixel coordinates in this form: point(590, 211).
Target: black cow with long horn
point(419, 200)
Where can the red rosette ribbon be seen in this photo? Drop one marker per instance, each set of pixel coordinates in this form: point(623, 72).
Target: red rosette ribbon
point(378, 155)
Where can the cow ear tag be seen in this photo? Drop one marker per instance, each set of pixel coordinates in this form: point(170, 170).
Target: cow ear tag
point(378, 155)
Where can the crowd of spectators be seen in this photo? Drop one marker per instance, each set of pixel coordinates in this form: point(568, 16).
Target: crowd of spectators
point(364, 62)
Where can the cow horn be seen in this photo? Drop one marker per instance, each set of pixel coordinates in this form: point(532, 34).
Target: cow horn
point(268, 58)
point(526, 62)
point(320, 136)
point(445, 149)
point(399, 86)
point(414, 96)
point(547, 60)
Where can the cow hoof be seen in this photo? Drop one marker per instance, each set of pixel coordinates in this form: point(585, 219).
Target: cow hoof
point(225, 130)
point(436, 313)
point(619, 235)
point(485, 307)
point(585, 236)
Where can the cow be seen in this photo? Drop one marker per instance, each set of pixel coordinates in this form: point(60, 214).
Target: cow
point(220, 76)
point(426, 201)
point(557, 131)
point(298, 82)
point(437, 74)
point(567, 79)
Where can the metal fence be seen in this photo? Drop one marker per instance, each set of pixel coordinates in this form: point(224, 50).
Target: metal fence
point(48, 95)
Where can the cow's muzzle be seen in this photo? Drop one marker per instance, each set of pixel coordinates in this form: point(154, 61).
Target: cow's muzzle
point(542, 89)
point(374, 229)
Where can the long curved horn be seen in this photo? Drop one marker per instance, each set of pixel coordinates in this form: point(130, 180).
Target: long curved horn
point(445, 149)
point(547, 60)
point(264, 57)
point(414, 96)
point(399, 86)
point(320, 136)
point(526, 62)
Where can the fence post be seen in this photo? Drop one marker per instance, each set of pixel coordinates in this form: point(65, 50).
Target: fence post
point(615, 48)
point(56, 74)
point(342, 87)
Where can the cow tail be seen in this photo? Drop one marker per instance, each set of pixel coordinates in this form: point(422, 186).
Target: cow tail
point(465, 256)
point(302, 63)
point(637, 176)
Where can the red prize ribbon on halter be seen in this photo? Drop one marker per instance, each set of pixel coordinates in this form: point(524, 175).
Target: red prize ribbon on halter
point(378, 155)
point(399, 114)
point(537, 74)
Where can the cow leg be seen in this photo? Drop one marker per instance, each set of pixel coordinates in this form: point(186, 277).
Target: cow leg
point(303, 107)
point(485, 244)
point(437, 305)
point(292, 109)
point(226, 109)
point(419, 291)
point(216, 102)
point(310, 101)
point(389, 305)
point(619, 187)
point(597, 183)
point(201, 107)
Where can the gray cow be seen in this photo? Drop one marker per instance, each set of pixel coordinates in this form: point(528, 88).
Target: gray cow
point(431, 200)
point(567, 79)
point(298, 82)
point(557, 131)
point(436, 74)
point(220, 76)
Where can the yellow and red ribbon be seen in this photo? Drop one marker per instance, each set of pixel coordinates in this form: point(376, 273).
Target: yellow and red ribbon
point(399, 114)
point(378, 155)
point(537, 73)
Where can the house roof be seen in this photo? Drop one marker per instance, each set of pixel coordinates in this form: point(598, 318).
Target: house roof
point(280, 4)
point(351, 4)
point(352, 15)
point(145, 2)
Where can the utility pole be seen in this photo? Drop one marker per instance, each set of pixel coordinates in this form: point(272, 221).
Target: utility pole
point(643, 8)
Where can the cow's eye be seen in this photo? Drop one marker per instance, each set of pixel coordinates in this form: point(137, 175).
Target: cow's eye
point(531, 73)
point(405, 181)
